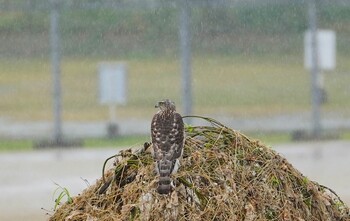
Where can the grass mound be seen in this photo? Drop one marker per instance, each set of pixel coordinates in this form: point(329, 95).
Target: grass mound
point(224, 175)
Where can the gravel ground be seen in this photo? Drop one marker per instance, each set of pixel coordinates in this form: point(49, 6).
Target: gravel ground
point(27, 178)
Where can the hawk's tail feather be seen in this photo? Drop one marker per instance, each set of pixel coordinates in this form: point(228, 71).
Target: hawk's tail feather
point(164, 185)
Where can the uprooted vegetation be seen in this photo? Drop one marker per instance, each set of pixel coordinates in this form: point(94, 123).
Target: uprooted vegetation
point(224, 175)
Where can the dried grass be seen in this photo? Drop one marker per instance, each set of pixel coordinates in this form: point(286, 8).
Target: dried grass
point(224, 175)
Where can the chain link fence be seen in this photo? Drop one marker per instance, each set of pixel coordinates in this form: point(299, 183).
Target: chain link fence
point(246, 66)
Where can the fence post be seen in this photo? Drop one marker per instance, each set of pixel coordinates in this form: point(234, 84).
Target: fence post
point(185, 48)
point(56, 69)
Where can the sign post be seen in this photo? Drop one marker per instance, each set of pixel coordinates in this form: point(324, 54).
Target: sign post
point(319, 55)
point(112, 80)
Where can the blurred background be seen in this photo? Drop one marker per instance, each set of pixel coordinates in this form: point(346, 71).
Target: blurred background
point(240, 61)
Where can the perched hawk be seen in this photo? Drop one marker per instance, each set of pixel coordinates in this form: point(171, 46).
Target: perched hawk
point(167, 131)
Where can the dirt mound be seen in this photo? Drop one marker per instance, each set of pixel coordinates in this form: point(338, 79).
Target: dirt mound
point(224, 175)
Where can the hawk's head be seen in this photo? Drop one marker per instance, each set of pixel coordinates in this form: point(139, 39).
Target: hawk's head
point(166, 105)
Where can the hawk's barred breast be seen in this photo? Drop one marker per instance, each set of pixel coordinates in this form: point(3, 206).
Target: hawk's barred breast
point(167, 130)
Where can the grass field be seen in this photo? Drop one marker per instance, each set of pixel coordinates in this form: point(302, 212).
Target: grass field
point(231, 86)
point(228, 86)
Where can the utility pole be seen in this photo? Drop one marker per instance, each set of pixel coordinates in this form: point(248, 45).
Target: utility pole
point(56, 70)
point(316, 98)
point(185, 48)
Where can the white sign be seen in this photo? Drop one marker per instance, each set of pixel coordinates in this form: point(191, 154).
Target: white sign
point(112, 80)
point(326, 46)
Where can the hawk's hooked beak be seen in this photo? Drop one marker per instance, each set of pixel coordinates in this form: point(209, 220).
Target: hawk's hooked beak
point(158, 104)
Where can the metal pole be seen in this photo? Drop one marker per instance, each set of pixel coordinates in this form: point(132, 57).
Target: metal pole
point(185, 47)
point(315, 90)
point(56, 70)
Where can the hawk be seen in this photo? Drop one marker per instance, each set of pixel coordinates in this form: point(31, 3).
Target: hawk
point(167, 131)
